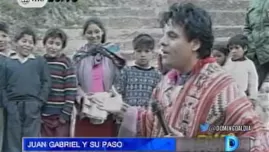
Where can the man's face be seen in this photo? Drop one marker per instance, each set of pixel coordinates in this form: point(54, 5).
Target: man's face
point(54, 46)
point(177, 51)
point(3, 41)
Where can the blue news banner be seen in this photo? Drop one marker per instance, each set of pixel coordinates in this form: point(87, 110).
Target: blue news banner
point(229, 143)
point(99, 144)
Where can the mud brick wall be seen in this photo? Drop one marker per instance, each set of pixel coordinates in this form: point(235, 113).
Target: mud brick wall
point(124, 19)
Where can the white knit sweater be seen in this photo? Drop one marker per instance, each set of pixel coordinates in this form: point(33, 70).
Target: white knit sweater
point(245, 74)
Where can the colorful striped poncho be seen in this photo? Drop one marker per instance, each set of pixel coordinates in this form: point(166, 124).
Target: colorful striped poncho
point(209, 96)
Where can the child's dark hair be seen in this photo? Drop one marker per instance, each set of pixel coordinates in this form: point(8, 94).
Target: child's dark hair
point(239, 39)
point(97, 22)
point(143, 41)
point(54, 33)
point(4, 27)
point(222, 48)
point(25, 31)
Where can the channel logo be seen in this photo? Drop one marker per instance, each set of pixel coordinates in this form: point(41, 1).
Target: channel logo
point(32, 3)
point(231, 143)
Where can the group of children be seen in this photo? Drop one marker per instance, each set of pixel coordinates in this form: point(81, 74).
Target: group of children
point(34, 88)
point(232, 57)
point(41, 94)
point(47, 95)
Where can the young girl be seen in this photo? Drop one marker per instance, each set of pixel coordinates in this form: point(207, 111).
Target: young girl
point(221, 53)
point(96, 69)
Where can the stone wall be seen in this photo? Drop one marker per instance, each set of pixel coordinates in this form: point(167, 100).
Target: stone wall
point(124, 19)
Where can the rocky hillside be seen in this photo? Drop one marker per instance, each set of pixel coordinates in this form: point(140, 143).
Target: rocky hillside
point(124, 19)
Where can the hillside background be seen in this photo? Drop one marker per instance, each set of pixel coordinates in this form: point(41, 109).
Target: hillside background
point(124, 19)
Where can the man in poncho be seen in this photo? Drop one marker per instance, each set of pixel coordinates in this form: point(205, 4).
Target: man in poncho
point(198, 90)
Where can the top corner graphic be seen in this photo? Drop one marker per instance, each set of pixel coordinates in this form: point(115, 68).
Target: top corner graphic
point(32, 3)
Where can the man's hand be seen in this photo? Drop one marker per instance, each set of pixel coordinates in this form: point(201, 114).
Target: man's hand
point(108, 101)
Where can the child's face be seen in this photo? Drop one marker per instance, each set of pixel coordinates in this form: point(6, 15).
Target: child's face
point(94, 34)
point(25, 45)
point(143, 56)
point(220, 57)
point(54, 46)
point(237, 52)
point(3, 41)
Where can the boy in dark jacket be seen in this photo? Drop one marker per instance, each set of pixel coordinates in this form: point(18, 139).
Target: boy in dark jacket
point(4, 54)
point(27, 85)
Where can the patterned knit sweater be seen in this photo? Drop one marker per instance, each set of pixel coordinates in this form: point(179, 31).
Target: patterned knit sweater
point(63, 90)
point(136, 84)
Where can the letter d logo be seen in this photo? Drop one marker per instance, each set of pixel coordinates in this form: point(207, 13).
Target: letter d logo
point(231, 143)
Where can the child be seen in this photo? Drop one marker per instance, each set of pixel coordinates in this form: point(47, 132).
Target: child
point(96, 67)
point(221, 53)
point(241, 68)
point(27, 85)
point(136, 83)
point(57, 111)
point(4, 53)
